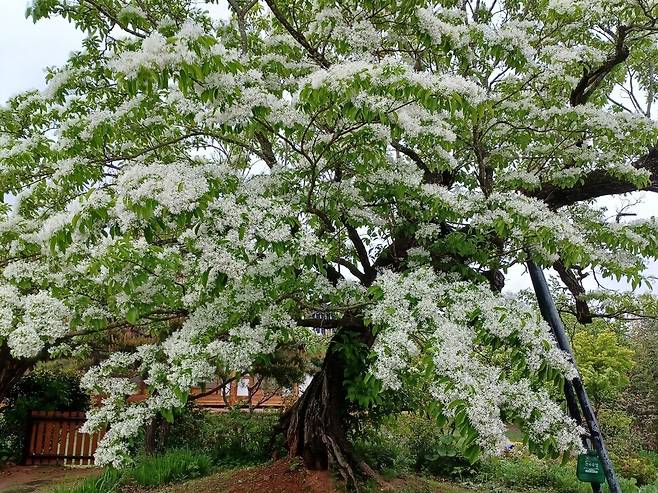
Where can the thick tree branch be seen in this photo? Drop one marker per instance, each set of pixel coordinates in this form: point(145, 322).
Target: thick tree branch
point(369, 273)
point(575, 287)
point(600, 183)
point(299, 36)
point(354, 270)
point(592, 79)
point(429, 176)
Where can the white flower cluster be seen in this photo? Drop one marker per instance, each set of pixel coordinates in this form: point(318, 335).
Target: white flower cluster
point(176, 187)
point(31, 322)
point(156, 52)
point(457, 317)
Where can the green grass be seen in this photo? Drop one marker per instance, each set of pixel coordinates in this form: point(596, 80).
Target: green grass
point(527, 474)
point(105, 483)
point(175, 465)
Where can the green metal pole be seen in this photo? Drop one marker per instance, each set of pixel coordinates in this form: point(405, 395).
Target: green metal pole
point(551, 315)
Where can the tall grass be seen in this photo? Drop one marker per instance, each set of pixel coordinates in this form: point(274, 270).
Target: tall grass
point(172, 466)
point(108, 482)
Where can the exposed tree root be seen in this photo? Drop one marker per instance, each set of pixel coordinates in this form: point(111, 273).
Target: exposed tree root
point(315, 428)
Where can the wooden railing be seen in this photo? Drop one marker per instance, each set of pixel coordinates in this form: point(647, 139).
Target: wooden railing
point(53, 437)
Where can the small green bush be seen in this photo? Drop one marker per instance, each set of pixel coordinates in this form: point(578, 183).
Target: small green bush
point(385, 447)
point(231, 438)
point(411, 443)
point(528, 472)
point(651, 455)
point(641, 468)
point(108, 482)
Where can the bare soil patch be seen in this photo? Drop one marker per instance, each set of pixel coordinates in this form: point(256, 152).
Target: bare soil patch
point(33, 479)
point(283, 476)
point(290, 476)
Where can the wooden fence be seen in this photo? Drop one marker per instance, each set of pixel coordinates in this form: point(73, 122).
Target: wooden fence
point(53, 438)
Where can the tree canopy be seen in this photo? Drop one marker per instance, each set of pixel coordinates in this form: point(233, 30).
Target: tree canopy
point(217, 182)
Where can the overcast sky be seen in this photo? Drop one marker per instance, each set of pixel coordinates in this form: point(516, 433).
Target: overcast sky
point(26, 49)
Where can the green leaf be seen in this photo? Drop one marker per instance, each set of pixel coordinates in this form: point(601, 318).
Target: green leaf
point(133, 315)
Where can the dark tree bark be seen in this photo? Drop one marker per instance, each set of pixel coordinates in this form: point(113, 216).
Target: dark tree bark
point(315, 427)
point(155, 435)
point(575, 287)
point(600, 183)
point(12, 369)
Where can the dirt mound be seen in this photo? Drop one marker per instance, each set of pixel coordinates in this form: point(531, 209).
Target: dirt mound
point(290, 476)
point(282, 476)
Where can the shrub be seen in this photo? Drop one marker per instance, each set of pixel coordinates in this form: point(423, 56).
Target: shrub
point(641, 468)
point(522, 472)
point(651, 455)
point(385, 447)
point(435, 449)
point(231, 438)
point(44, 389)
point(525, 471)
point(411, 443)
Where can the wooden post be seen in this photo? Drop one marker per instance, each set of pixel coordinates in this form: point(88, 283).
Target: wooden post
point(27, 446)
point(551, 315)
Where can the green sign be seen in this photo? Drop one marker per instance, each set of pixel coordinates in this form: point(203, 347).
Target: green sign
point(590, 468)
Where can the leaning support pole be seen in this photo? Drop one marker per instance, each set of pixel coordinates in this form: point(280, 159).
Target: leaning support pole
point(550, 314)
point(574, 412)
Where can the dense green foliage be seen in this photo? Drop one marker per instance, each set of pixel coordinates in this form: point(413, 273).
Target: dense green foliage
point(616, 358)
point(44, 389)
point(641, 397)
point(526, 474)
point(173, 465)
point(232, 438)
point(411, 443)
point(605, 362)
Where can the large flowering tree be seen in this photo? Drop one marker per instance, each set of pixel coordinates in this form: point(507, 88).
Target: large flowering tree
point(385, 161)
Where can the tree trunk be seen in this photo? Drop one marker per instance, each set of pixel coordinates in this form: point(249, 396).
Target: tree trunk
point(315, 427)
point(11, 370)
point(155, 436)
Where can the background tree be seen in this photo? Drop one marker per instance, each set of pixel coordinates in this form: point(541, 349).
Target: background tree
point(641, 398)
point(612, 353)
point(605, 363)
point(216, 183)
